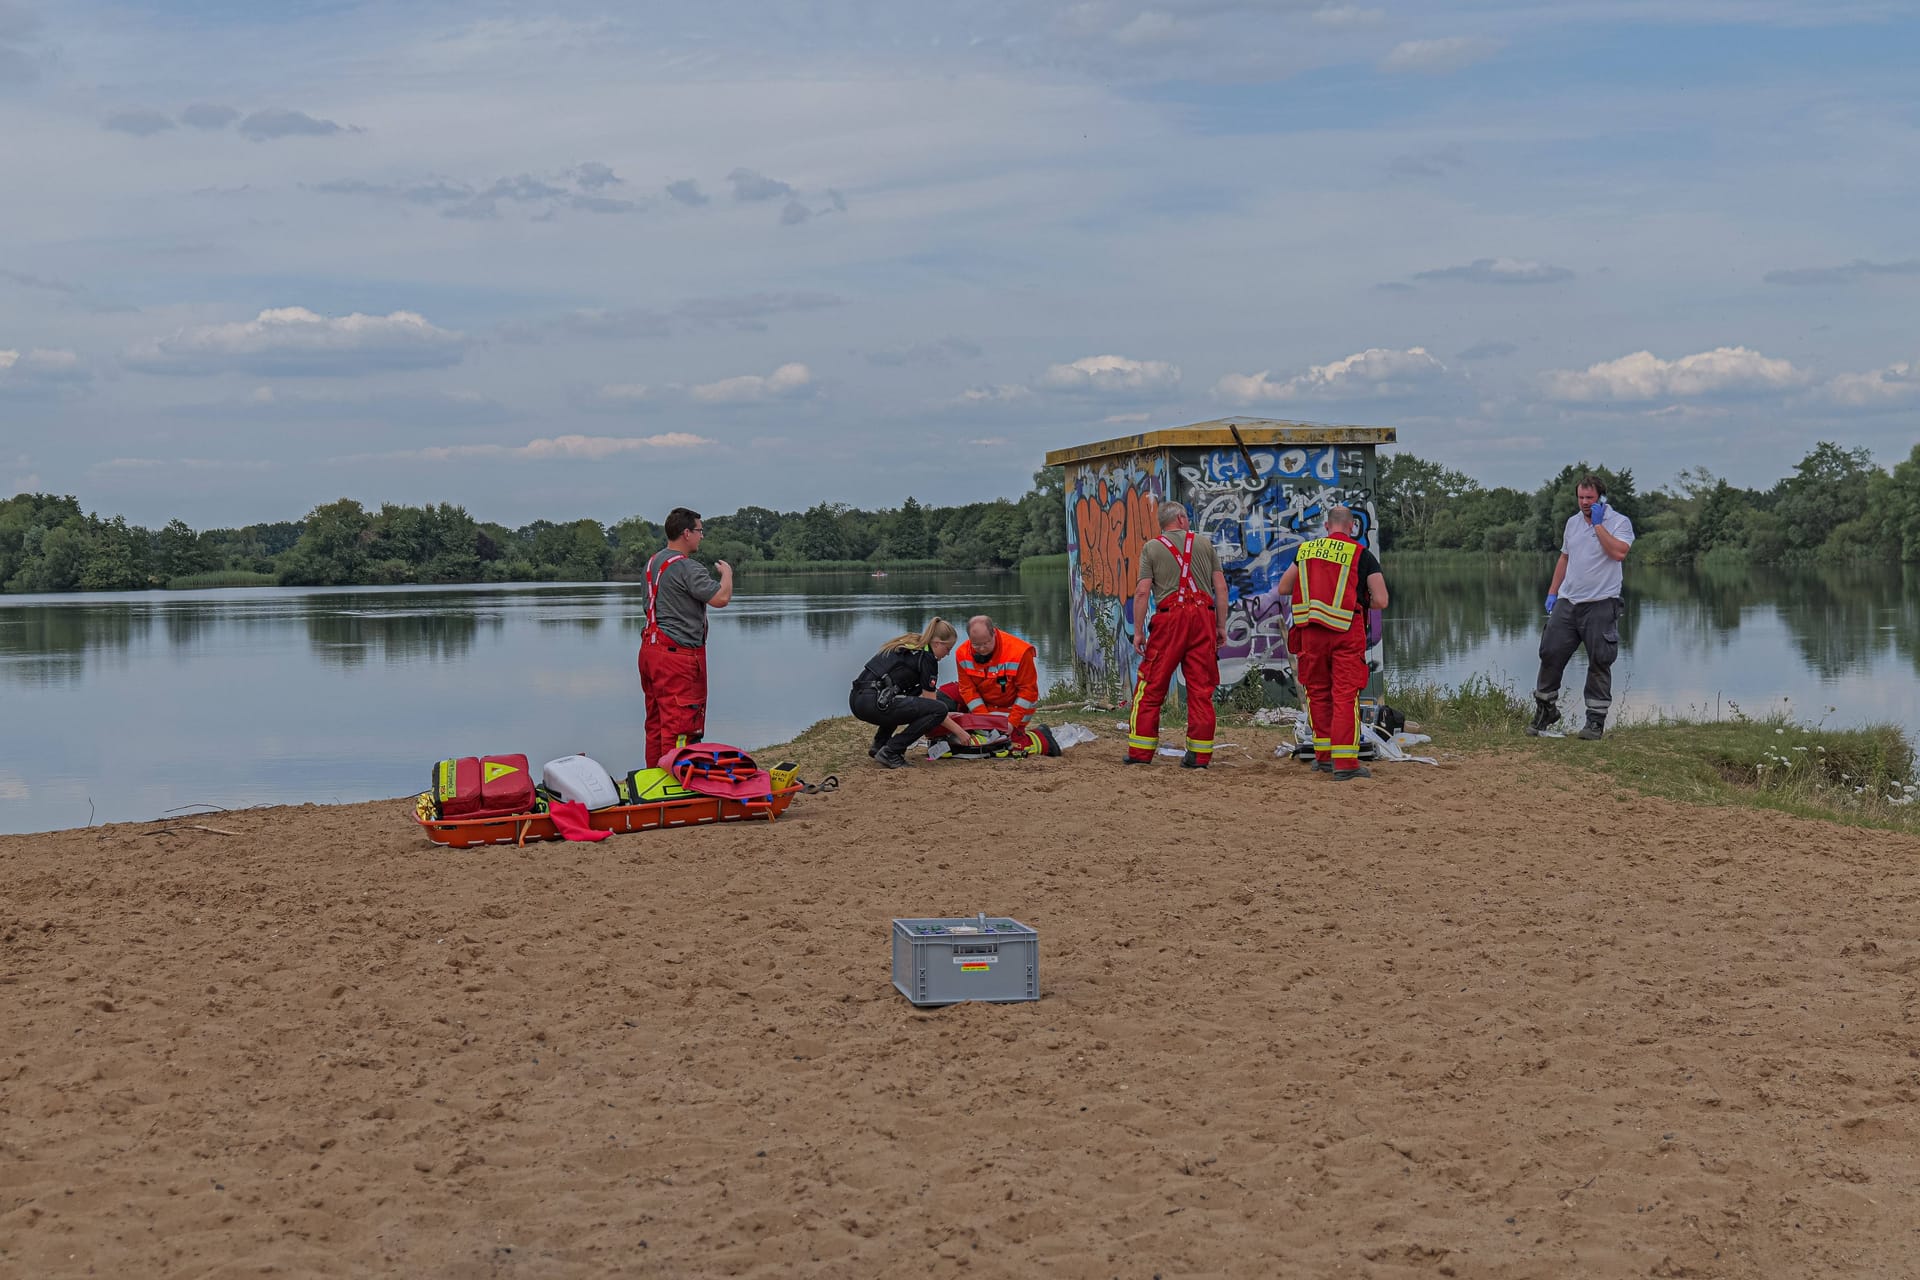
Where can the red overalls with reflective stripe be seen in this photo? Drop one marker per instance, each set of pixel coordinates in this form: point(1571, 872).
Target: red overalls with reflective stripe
point(673, 678)
point(1329, 641)
point(1180, 639)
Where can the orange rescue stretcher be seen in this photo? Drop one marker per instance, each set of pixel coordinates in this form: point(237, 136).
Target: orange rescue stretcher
point(520, 828)
point(651, 802)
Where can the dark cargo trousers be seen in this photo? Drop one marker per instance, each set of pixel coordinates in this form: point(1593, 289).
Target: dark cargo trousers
point(1596, 625)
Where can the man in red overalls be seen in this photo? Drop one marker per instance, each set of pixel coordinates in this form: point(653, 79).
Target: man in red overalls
point(1333, 581)
point(1189, 624)
point(673, 648)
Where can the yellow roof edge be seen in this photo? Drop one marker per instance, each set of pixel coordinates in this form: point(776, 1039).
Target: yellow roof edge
point(1215, 433)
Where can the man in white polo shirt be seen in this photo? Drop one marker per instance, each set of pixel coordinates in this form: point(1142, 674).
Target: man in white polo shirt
point(1583, 608)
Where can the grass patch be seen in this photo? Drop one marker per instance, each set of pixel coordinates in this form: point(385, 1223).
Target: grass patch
point(827, 746)
point(1862, 776)
point(1478, 707)
point(1047, 564)
point(221, 578)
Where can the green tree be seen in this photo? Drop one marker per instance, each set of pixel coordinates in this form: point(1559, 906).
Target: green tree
point(178, 551)
point(818, 535)
point(1827, 488)
point(910, 539)
point(116, 557)
point(1045, 509)
point(332, 550)
point(1893, 503)
point(1411, 493)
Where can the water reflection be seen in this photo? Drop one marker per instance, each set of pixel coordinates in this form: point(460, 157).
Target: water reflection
point(343, 693)
point(1766, 630)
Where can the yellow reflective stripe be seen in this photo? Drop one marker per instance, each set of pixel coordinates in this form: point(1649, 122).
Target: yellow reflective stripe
point(1133, 719)
point(1327, 612)
point(1346, 753)
point(1322, 743)
point(1194, 744)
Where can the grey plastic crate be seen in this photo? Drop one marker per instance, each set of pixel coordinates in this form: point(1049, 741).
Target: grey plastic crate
point(947, 959)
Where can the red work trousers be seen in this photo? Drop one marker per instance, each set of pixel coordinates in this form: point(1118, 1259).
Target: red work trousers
point(673, 679)
point(1332, 667)
point(1180, 639)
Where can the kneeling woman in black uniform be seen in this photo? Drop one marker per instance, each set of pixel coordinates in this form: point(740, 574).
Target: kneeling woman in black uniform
point(895, 691)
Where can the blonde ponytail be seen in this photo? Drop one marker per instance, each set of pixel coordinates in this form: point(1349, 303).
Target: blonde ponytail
point(939, 629)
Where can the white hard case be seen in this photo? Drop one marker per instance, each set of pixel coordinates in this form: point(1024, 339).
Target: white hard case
point(580, 779)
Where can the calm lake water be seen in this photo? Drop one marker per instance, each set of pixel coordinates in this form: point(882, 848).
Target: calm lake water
point(124, 706)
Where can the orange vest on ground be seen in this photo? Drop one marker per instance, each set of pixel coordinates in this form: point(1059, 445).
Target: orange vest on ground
point(1327, 591)
point(1005, 680)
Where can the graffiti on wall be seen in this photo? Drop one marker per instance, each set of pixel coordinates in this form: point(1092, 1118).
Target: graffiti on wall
point(1111, 510)
point(1257, 519)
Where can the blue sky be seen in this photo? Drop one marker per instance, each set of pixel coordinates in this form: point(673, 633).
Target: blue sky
point(583, 260)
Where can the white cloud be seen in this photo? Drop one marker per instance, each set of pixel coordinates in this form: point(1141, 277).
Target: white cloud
point(1003, 393)
point(1645, 376)
point(1449, 53)
point(1377, 371)
point(296, 341)
point(1500, 271)
point(787, 382)
point(1348, 15)
point(550, 449)
point(1897, 384)
point(1111, 375)
point(40, 369)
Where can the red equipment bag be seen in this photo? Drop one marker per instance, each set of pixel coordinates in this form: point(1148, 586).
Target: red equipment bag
point(483, 786)
point(710, 769)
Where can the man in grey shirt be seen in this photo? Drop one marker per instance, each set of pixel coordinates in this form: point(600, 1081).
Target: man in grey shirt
point(1583, 608)
point(673, 648)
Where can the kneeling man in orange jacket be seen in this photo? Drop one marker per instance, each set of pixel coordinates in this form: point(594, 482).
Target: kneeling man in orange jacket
point(996, 675)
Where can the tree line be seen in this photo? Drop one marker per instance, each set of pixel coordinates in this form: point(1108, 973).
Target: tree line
point(48, 543)
point(1836, 504)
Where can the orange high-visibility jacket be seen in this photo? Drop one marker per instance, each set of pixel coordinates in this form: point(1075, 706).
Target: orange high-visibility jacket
point(1327, 591)
point(1003, 681)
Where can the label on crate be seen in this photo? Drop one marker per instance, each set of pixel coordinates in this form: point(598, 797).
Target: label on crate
point(970, 964)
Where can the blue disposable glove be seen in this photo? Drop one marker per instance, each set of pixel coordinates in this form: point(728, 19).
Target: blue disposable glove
point(1553, 598)
point(1596, 513)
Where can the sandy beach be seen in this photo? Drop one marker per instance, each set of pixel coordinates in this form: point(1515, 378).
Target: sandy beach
point(1492, 1019)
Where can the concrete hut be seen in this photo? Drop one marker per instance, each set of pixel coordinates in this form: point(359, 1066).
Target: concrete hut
point(1256, 486)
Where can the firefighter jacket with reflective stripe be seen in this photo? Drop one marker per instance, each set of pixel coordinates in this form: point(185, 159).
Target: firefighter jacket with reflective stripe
point(1004, 680)
point(1327, 591)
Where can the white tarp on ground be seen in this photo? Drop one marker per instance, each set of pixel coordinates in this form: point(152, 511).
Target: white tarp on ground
point(1385, 748)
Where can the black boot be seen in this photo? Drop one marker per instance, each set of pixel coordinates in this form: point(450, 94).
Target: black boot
point(1545, 716)
point(1191, 761)
point(1596, 726)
